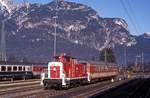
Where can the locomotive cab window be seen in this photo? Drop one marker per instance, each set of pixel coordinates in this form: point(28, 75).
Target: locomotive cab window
point(67, 59)
point(56, 58)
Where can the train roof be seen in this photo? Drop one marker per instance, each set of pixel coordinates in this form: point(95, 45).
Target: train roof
point(21, 63)
point(66, 56)
point(97, 63)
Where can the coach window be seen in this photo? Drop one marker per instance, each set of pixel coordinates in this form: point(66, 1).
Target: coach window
point(23, 68)
point(9, 68)
point(3, 68)
point(20, 68)
point(15, 68)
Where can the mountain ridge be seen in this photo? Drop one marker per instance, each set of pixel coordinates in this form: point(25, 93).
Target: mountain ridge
point(77, 25)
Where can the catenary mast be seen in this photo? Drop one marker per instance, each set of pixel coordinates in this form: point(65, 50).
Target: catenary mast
point(3, 42)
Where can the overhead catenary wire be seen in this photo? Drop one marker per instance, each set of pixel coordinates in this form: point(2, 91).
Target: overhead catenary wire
point(138, 26)
point(128, 14)
point(132, 22)
point(134, 16)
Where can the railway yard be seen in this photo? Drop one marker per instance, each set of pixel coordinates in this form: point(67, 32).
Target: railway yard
point(33, 89)
point(64, 49)
point(130, 88)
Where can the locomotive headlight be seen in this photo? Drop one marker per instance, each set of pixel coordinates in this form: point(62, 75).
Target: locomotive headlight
point(54, 69)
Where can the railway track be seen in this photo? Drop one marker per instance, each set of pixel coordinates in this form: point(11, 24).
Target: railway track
point(142, 90)
point(19, 89)
point(18, 84)
point(8, 90)
point(25, 89)
point(99, 88)
point(34, 90)
point(87, 90)
point(18, 81)
point(40, 93)
point(138, 88)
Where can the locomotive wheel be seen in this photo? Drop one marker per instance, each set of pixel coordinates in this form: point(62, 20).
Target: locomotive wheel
point(77, 84)
point(45, 86)
point(59, 87)
point(66, 87)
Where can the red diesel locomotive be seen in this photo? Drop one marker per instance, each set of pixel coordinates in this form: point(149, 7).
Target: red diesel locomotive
point(66, 71)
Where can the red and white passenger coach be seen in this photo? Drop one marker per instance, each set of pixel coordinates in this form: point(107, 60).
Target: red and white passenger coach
point(66, 71)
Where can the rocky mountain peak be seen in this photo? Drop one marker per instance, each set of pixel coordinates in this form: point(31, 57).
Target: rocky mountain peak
point(6, 5)
point(76, 24)
point(147, 35)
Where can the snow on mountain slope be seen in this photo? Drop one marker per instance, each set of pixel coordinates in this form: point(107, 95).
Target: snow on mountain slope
point(7, 5)
point(77, 24)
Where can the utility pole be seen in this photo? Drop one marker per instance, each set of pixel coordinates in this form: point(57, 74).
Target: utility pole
point(3, 33)
point(125, 56)
point(3, 42)
point(142, 61)
point(136, 62)
point(105, 55)
point(55, 34)
point(55, 28)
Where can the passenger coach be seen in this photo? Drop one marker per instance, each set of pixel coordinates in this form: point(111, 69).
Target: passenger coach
point(19, 70)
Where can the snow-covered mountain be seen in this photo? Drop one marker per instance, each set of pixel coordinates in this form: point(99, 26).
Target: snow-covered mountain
point(128, 54)
point(146, 35)
point(7, 5)
point(78, 28)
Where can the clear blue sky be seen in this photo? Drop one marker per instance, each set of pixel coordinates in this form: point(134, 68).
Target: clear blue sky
point(135, 12)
